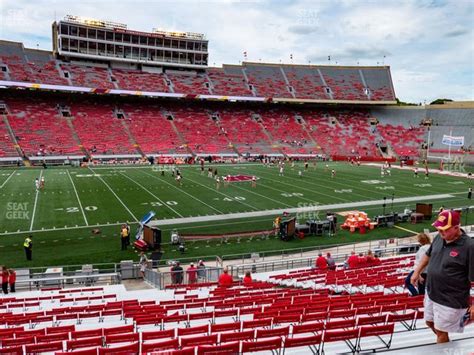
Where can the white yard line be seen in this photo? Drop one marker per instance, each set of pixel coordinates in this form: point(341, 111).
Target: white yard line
point(118, 198)
point(184, 192)
point(244, 214)
point(34, 206)
point(152, 194)
point(8, 178)
point(78, 199)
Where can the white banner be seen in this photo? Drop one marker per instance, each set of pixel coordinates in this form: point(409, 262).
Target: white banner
point(453, 141)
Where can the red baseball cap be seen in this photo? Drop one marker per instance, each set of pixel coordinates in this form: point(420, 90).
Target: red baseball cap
point(447, 219)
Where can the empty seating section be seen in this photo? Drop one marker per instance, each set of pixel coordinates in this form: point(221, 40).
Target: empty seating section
point(404, 141)
point(91, 77)
point(268, 81)
point(244, 132)
point(39, 128)
point(7, 148)
point(44, 69)
point(152, 131)
point(306, 82)
point(323, 311)
point(139, 81)
point(342, 133)
point(193, 84)
point(228, 81)
point(18, 70)
point(345, 84)
point(99, 131)
point(199, 131)
point(287, 132)
point(387, 276)
point(379, 82)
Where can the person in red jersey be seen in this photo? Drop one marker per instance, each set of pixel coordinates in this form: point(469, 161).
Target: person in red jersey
point(12, 280)
point(321, 262)
point(247, 280)
point(352, 261)
point(192, 274)
point(362, 260)
point(369, 259)
point(225, 280)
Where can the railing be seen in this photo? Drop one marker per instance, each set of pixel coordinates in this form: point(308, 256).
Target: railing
point(308, 261)
point(61, 281)
point(335, 249)
point(162, 279)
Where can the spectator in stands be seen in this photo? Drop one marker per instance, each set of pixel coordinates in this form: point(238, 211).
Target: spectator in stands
point(377, 261)
point(5, 277)
point(192, 273)
point(361, 260)
point(28, 246)
point(352, 261)
point(201, 270)
point(225, 280)
point(369, 259)
point(450, 272)
point(425, 243)
point(12, 279)
point(247, 280)
point(143, 263)
point(331, 262)
point(321, 262)
point(177, 273)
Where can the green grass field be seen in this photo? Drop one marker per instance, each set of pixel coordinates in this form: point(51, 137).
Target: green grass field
point(76, 200)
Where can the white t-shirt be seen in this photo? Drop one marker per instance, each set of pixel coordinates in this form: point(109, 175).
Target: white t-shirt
point(419, 255)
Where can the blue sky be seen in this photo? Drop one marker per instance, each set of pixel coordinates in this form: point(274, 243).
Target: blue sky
point(429, 44)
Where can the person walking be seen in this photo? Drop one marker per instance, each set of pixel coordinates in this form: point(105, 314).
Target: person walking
point(143, 263)
point(201, 270)
point(124, 236)
point(450, 272)
point(425, 243)
point(28, 246)
point(5, 276)
point(192, 274)
point(12, 279)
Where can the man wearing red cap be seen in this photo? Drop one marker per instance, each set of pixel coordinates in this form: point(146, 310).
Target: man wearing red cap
point(450, 261)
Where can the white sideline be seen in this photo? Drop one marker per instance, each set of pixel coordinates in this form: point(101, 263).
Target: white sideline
point(295, 210)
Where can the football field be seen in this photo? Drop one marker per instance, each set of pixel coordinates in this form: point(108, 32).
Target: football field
point(76, 200)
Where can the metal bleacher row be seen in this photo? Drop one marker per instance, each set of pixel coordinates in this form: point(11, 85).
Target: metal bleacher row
point(265, 316)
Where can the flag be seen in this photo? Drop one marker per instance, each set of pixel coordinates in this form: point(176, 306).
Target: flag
point(453, 141)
